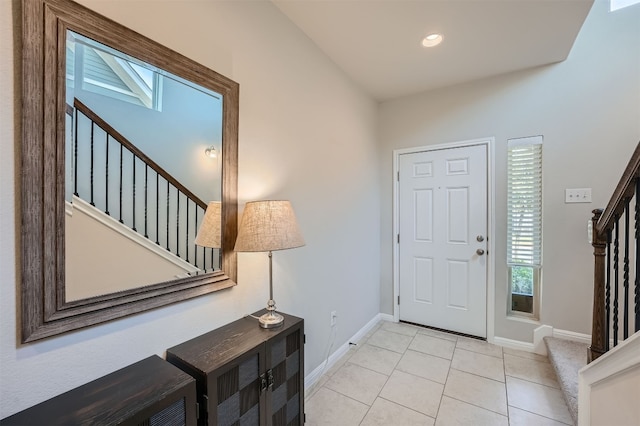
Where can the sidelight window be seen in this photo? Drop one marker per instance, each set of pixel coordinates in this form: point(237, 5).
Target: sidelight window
point(524, 224)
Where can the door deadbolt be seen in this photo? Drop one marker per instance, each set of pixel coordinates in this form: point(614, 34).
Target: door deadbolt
point(480, 238)
point(480, 252)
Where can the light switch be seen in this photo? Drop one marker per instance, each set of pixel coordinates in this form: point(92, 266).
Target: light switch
point(577, 195)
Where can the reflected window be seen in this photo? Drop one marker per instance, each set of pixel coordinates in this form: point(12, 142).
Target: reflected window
point(111, 73)
point(621, 4)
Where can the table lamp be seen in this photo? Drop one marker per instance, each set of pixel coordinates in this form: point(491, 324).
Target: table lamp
point(269, 226)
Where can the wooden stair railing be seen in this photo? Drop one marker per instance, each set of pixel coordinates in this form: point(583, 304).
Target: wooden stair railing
point(160, 214)
point(612, 227)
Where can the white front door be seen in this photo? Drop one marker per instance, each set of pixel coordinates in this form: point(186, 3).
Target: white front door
point(443, 231)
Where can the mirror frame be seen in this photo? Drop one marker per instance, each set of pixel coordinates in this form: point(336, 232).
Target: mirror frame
point(44, 310)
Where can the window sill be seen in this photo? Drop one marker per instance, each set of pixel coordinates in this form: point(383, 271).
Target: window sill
point(524, 319)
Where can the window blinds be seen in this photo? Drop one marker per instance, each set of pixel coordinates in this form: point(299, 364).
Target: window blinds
point(524, 202)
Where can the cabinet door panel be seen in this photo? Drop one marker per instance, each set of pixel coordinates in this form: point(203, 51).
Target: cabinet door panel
point(237, 396)
point(285, 360)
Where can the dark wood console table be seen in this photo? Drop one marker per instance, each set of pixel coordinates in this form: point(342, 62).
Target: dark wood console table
point(149, 392)
point(246, 374)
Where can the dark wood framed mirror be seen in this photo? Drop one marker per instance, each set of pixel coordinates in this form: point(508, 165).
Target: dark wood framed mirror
point(45, 154)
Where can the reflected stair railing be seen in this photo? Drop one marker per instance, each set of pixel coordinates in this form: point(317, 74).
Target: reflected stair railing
point(116, 177)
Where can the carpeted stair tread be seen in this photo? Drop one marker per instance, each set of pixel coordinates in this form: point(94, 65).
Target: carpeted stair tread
point(567, 358)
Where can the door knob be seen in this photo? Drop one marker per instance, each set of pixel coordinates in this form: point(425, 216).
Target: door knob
point(480, 252)
point(479, 238)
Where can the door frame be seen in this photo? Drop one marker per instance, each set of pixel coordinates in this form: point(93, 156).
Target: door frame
point(489, 142)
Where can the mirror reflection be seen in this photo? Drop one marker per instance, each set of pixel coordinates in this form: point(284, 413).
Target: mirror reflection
point(142, 162)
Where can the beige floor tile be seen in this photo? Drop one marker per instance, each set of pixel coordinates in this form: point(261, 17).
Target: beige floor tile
point(390, 340)
point(405, 375)
point(528, 369)
point(340, 362)
point(480, 346)
point(518, 417)
point(400, 328)
point(438, 334)
point(523, 354)
point(433, 346)
point(476, 390)
point(425, 366)
point(376, 359)
point(479, 364)
point(453, 412)
point(386, 413)
point(357, 382)
point(413, 392)
point(362, 340)
point(329, 408)
point(538, 399)
point(373, 330)
point(308, 393)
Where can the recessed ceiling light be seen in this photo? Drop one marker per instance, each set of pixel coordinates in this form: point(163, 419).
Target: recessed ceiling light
point(432, 40)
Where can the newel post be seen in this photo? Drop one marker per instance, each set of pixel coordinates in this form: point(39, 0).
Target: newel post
point(598, 332)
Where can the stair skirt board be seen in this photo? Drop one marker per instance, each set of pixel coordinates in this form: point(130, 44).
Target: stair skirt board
point(623, 359)
point(125, 231)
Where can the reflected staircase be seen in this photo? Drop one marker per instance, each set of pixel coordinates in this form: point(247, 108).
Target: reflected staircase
point(120, 181)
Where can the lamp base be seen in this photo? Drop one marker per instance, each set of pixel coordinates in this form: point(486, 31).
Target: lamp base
point(271, 319)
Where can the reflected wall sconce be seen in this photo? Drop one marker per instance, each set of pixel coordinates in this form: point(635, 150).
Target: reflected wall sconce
point(211, 152)
point(269, 226)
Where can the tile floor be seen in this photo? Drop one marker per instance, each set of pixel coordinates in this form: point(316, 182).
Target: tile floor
point(404, 375)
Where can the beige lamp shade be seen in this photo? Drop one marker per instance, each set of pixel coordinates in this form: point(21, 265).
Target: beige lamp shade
point(209, 234)
point(268, 226)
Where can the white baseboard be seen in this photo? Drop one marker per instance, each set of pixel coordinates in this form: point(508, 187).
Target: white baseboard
point(312, 377)
point(386, 317)
point(572, 335)
point(513, 344)
point(546, 330)
point(538, 339)
point(539, 334)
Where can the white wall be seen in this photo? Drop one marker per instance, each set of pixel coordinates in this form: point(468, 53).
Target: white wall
point(588, 110)
point(306, 134)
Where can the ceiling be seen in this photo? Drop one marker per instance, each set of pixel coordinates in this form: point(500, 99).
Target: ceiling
point(378, 42)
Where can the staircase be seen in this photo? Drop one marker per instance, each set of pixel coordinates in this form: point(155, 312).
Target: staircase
point(616, 277)
point(613, 358)
point(567, 358)
point(617, 372)
point(611, 363)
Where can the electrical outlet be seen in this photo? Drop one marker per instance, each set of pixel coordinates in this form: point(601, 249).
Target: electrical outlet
point(577, 195)
point(334, 317)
